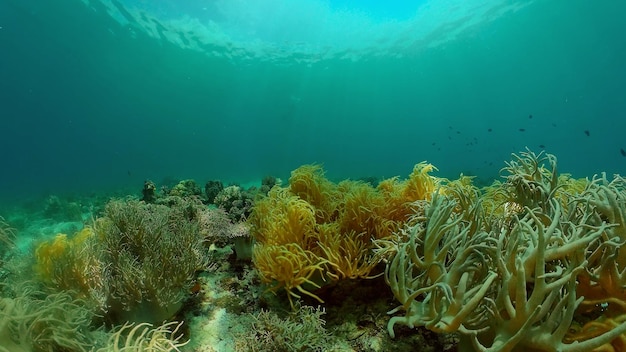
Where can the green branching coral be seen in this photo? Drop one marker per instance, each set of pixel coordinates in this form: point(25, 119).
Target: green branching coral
point(302, 330)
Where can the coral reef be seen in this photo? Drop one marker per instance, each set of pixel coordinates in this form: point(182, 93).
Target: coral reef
point(533, 262)
point(267, 183)
point(58, 208)
point(211, 189)
point(217, 228)
point(236, 202)
point(149, 192)
point(185, 188)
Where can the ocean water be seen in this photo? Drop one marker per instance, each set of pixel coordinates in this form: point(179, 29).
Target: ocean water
point(103, 94)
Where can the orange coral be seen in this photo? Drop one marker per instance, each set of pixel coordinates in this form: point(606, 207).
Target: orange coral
point(597, 328)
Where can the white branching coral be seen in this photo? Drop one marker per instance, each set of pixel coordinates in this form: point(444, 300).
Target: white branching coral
point(517, 280)
point(536, 297)
point(144, 337)
point(441, 274)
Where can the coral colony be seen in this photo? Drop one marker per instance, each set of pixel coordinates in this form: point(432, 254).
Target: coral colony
point(533, 262)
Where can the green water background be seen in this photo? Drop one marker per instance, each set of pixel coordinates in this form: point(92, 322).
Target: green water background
point(93, 100)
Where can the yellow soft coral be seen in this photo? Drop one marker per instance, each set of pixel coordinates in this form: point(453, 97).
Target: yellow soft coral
point(48, 254)
point(68, 263)
point(361, 209)
point(309, 183)
point(282, 218)
point(284, 227)
point(400, 195)
point(289, 266)
point(316, 230)
point(420, 185)
point(348, 255)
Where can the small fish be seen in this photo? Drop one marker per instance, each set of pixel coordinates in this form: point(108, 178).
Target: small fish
point(623, 152)
point(587, 133)
point(489, 130)
point(522, 129)
point(530, 116)
point(195, 288)
point(542, 146)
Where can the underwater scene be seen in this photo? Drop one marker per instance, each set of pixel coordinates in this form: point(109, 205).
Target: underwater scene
point(312, 175)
